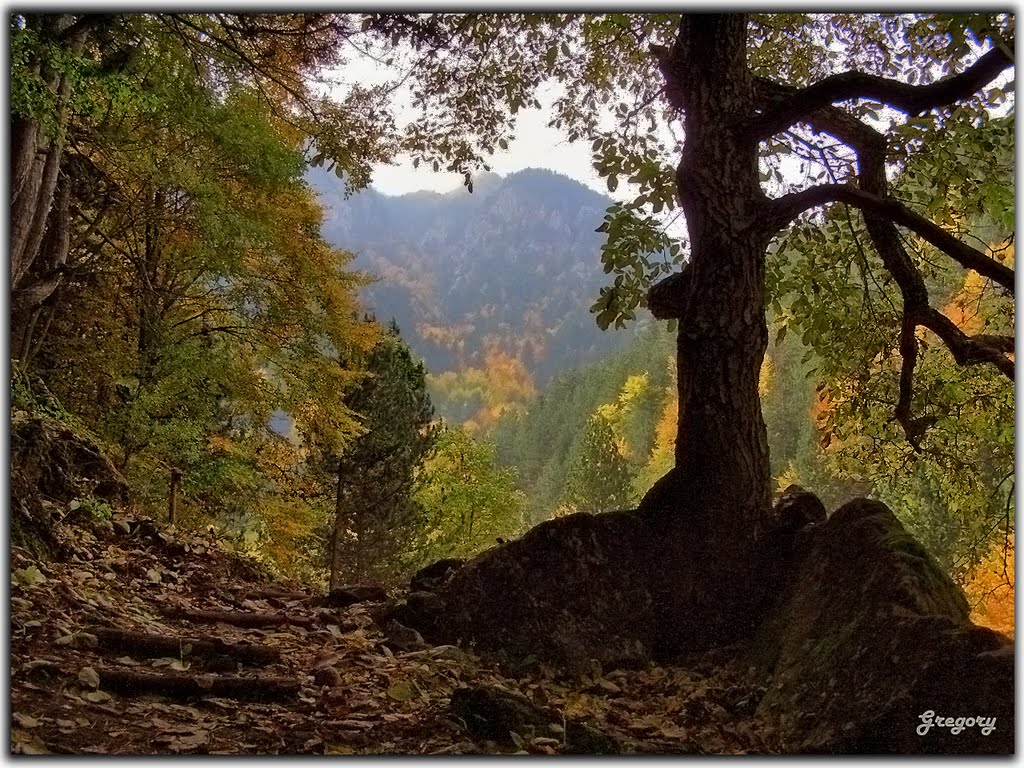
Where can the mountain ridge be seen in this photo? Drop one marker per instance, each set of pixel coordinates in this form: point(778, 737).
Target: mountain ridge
point(511, 268)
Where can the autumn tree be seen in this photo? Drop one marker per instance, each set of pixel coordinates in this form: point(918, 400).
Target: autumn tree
point(195, 301)
point(742, 92)
point(73, 76)
point(468, 501)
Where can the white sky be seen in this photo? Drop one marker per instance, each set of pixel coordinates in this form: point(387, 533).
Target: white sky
point(535, 145)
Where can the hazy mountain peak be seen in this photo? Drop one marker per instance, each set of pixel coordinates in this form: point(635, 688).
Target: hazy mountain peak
point(511, 268)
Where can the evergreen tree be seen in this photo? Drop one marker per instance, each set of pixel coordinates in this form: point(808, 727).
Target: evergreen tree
point(600, 477)
point(375, 511)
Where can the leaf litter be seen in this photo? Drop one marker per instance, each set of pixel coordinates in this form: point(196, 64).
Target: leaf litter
point(338, 683)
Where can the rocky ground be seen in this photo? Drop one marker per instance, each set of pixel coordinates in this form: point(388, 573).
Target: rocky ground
point(151, 641)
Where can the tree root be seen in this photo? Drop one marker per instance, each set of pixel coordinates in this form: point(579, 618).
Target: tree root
point(239, 618)
point(178, 685)
point(146, 645)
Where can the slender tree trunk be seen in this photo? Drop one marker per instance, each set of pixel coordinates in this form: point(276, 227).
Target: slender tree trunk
point(337, 534)
point(39, 286)
point(36, 156)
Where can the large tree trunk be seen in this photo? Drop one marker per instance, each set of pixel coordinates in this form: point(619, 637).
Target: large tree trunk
point(714, 505)
point(721, 439)
point(683, 572)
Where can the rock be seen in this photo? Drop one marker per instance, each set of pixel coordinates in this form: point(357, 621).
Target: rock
point(41, 670)
point(88, 678)
point(343, 597)
point(794, 515)
point(399, 637)
point(328, 676)
point(584, 739)
point(573, 590)
point(417, 609)
point(435, 575)
point(493, 712)
point(868, 633)
point(796, 508)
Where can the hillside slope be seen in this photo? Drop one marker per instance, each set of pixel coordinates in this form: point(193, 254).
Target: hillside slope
point(512, 267)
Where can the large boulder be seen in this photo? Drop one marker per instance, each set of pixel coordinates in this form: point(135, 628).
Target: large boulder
point(870, 648)
point(572, 590)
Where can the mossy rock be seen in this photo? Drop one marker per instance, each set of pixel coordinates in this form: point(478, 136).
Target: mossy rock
point(572, 590)
point(52, 463)
point(866, 630)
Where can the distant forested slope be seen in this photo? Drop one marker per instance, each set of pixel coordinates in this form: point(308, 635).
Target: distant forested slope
point(499, 281)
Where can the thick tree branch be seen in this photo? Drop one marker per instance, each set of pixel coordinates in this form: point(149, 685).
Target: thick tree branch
point(881, 214)
point(966, 350)
point(787, 207)
point(913, 428)
point(911, 99)
point(1005, 344)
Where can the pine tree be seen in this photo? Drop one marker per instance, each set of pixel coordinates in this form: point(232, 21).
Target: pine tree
point(374, 505)
point(600, 477)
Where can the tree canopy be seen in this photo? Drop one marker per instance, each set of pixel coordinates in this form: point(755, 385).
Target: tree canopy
point(844, 178)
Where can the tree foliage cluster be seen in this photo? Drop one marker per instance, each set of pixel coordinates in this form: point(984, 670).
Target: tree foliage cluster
point(170, 284)
point(180, 293)
point(171, 288)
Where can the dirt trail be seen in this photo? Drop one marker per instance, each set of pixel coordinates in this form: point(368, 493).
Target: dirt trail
point(311, 679)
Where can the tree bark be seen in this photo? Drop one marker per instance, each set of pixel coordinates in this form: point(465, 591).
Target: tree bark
point(179, 685)
point(716, 499)
point(338, 531)
point(150, 645)
point(39, 213)
point(722, 338)
point(239, 618)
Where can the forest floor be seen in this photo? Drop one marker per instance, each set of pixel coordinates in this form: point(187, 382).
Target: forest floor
point(92, 673)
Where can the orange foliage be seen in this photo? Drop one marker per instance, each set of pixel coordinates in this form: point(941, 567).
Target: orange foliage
point(446, 336)
point(821, 408)
point(965, 308)
point(509, 378)
point(503, 383)
point(990, 590)
point(665, 430)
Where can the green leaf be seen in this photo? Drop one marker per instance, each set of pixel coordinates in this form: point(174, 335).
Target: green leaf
point(401, 691)
point(29, 576)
